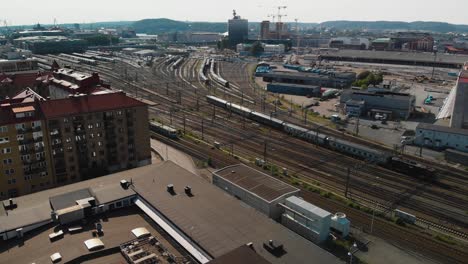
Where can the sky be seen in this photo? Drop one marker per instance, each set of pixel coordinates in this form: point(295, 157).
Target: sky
point(25, 12)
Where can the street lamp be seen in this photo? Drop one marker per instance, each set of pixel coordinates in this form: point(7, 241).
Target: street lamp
point(350, 252)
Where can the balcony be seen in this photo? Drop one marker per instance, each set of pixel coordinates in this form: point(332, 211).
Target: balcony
point(36, 128)
point(23, 130)
point(25, 141)
point(38, 139)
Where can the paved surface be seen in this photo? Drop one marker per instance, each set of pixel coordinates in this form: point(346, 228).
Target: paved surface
point(381, 251)
point(169, 153)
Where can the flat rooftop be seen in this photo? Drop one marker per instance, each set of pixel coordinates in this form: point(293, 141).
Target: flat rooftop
point(211, 218)
point(443, 129)
point(117, 225)
point(218, 222)
point(242, 254)
point(257, 182)
point(401, 56)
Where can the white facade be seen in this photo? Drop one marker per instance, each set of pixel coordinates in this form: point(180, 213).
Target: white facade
point(440, 137)
point(306, 219)
point(276, 49)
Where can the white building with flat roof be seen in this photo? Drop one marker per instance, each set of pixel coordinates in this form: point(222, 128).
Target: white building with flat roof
point(306, 219)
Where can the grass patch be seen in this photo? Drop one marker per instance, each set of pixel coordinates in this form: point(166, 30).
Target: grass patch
point(446, 239)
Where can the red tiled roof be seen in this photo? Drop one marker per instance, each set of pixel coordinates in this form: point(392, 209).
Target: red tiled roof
point(87, 104)
point(22, 79)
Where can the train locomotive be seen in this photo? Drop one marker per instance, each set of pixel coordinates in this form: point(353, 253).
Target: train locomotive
point(163, 130)
point(343, 146)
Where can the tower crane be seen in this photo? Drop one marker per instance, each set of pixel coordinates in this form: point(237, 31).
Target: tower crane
point(279, 15)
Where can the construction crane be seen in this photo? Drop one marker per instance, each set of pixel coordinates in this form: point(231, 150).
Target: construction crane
point(297, 36)
point(279, 15)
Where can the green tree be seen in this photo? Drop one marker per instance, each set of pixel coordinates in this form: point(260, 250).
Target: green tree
point(257, 49)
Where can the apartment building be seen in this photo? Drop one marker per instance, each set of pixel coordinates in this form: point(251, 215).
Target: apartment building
point(47, 143)
point(25, 161)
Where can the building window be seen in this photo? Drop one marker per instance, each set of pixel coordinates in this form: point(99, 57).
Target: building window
point(99, 143)
point(12, 181)
point(7, 161)
point(36, 124)
point(119, 112)
point(65, 120)
point(4, 140)
point(3, 129)
point(93, 154)
point(20, 126)
point(68, 140)
point(90, 126)
point(98, 124)
point(6, 150)
point(9, 171)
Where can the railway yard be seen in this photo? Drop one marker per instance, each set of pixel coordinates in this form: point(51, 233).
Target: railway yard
point(330, 176)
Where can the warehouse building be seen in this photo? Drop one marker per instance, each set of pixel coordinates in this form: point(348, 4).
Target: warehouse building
point(255, 188)
point(294, 89)
point(328, 79)
point(51, 44)
point(388, 105)
point(441, 137)
point(306, 219)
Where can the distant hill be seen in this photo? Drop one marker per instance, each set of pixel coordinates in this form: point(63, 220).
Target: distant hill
point(163, 25)
point(440, 27)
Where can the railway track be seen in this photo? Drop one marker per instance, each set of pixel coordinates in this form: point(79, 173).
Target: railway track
point(158, 84)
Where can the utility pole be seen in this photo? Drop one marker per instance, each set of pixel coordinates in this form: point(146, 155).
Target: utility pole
point(170, 115)
point(214, 114)
point(348, 176)
point(357, 127)
point(202, 132)
point(305, 115)
point(184, 124)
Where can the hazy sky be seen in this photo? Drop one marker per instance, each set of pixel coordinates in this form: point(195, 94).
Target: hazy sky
point(19, 12)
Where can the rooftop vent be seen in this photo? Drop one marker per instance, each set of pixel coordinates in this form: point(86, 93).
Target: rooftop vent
point(9, 204)
point(188, 190)
point(170, 189)
point(124, 184)
point(274, 248)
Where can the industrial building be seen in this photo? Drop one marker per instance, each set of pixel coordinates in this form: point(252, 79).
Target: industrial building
point(255, 188)
point(306, 219)
point(46, 143)
point(238, 30)
point(459, 117)
point(349, 43)
point(199, 221)
point(51, 44)
point(294, 89)
point(389, 105)
point(329, 79)
point(441, 137)
point(393, 57)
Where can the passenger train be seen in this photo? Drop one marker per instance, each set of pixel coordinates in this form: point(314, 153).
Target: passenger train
point(352, 149)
